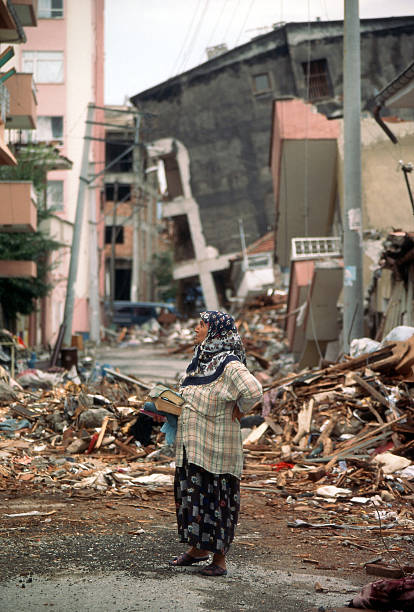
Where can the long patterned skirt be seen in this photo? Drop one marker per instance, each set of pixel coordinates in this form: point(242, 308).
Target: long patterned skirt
point(207, 507)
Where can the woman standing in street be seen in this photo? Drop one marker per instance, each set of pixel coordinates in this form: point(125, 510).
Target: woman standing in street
point(218, 389)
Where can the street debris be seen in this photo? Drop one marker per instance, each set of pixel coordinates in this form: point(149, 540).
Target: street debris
point(334, 444)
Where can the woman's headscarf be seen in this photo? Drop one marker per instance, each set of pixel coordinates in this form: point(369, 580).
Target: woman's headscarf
point(221, 345)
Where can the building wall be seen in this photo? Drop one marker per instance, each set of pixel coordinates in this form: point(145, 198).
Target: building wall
point(226, 126)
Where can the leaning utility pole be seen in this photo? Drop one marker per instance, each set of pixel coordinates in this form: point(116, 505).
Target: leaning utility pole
point(353, 317)
point(113, 242)
point(76, 237)
point(136, 168)
point(94, 314)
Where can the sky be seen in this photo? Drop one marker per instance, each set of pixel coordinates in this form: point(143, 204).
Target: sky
point(149, 41)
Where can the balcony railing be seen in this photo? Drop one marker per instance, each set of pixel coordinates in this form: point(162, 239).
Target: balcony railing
point(315, 248)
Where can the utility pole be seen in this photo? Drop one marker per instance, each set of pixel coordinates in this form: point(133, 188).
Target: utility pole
point(113, 242)
point(94, 314)
point(136, 168)
point(243, 243)
point(80, 205)
point(353, 317)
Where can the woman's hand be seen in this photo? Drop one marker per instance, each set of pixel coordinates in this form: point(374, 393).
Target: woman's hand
point(158, 418)
point(237, 414)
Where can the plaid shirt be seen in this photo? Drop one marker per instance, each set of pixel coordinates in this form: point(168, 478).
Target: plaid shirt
point(211, 438)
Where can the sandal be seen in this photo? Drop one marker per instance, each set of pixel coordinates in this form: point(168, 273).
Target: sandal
point(185, 559)
point(213, 570)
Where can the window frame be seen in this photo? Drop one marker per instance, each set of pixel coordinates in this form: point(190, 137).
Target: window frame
point(56, 207)
point(52, 138)
point(321, 80)
point(52, 10)
point(119, 234)
point(37, 57)
point(258, 92)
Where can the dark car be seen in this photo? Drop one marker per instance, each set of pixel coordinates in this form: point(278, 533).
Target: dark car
point(137, 313)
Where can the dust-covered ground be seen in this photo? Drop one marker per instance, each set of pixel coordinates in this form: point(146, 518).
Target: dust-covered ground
point(110, 553)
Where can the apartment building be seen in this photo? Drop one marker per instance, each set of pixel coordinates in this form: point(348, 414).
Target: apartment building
point(65, 55)
point(18, 212)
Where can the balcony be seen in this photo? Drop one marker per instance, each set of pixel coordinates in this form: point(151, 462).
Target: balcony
point(26, 11)
point(10, 28)
point(22, 107)
point(18, 269)
point(6, 156)
point(18, 211)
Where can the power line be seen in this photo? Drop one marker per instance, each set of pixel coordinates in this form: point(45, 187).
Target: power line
point(245, 21)
point(176, 63)
point(231, 20)
point(193, 38)
point(225, 2)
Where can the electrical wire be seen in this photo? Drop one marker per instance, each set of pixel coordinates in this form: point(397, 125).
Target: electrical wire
point(245, 21)
point(193, 38)
point(176, 63)
point(231, 20)
point(210, 38)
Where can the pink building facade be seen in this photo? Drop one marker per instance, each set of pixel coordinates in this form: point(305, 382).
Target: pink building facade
point(65, 53)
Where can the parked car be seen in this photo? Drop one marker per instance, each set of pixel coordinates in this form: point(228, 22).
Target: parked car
point(137, 313)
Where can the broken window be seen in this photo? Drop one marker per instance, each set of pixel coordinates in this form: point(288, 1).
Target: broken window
point(119, 234)
point(173, 177)
point(55, 195)
point(114, 150)
point(183, 245)
point(261, 83)
point(317, 79)
point(124, 192)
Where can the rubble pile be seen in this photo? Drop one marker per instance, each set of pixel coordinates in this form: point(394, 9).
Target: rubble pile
point(72, 436)
point(343, 432)
point(342, 435)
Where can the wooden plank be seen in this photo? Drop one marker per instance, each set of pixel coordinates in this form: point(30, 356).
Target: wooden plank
point(130, 450)
point(256, 434)
point(374, 393)
point(102, 432)
point(134, 381)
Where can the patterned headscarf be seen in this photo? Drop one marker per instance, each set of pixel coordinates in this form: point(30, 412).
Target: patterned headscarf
point(221, 345)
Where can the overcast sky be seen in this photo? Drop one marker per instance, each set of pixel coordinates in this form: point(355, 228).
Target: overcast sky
point(148, 41)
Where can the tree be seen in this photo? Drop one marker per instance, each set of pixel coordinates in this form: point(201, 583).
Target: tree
point(19, 295)
point(163, 272)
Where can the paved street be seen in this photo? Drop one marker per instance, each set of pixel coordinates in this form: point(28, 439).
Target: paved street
point(148, 361)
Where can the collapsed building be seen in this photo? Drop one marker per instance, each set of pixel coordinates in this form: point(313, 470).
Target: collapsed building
point(213, 126)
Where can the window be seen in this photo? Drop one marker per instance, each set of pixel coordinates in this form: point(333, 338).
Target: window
point(50, 9)
point(49, 129)
point(119, 234)
point(55, 195)
point(261, 83)
point(260, 261)
point(46, 66)
point(319, 83)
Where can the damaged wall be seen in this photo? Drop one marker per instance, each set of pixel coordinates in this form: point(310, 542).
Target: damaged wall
point(218, 114)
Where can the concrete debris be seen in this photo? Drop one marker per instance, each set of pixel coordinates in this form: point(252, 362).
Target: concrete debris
point(337, 441)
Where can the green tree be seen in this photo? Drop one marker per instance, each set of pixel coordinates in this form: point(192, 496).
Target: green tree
point(163, 272)
point(19, 295)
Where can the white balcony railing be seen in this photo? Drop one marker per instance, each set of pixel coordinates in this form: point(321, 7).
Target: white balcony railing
point(315, 248)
